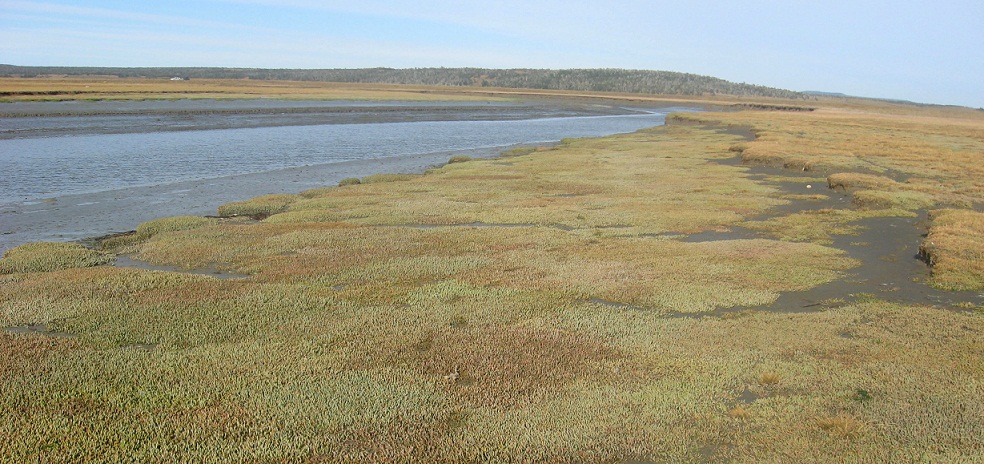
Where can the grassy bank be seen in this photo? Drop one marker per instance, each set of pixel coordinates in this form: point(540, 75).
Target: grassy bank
point(113, 88)
point(67, 88)
point(558, 304)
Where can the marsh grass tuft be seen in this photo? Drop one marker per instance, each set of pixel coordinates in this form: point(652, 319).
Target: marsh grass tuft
point(880, 199)
point(954, 247)
point(519, 151)
point(841, 425)
point(739, 412)
point(738, 147)
point(769, 378)
point(50, 256)
point(349, 181)
point(172, 224)
point(379, 178)
point(316, 192)
point(854, 180)
point(459, 159)
point(259, 207)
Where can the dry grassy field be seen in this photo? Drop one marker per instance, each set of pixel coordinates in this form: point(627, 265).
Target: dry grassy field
point(112, 88)
point(615, 299)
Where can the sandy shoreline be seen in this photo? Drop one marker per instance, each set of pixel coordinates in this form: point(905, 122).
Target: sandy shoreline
point(81, 216)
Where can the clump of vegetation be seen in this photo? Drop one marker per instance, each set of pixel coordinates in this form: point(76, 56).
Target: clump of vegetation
point(459, 159)
point(315, 192)
point(841, 425)
point(798, 163)
point(379, 178)
point(349, 181)
point(738, 147)
point(739, 412)
point(870, 191)
point(954, 248)
point(518, 151)
point(817, 226)
point(769, 378)
point(880, 199)
point(50, 256)
point(861, 395)
point(853, 180)
point(172, 224)
point(259, 207)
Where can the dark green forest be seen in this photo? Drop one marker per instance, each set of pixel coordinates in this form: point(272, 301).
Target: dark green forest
point(598, 80)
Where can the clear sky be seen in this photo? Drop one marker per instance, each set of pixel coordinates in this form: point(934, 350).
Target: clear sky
point(929, 51)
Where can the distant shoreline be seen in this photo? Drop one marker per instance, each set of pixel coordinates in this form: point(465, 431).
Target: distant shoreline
point(647, 82)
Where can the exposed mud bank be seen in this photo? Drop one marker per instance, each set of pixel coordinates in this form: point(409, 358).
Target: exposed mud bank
point(892, 268)
point(47, 119)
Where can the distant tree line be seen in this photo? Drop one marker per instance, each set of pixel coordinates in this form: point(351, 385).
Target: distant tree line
point(601, 80)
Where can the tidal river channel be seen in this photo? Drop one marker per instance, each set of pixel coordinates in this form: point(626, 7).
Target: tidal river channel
point(73, 170)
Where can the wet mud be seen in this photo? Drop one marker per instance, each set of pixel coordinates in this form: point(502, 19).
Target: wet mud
point(212, 271)
point(38, 329)
point(891, 268)
point(47, 119)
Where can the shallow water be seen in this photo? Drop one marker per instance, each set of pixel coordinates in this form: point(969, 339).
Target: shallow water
point(39, 166)
point(46, 119)
point(67, 176)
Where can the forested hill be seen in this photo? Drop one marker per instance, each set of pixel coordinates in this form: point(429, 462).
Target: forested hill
point(602, 80)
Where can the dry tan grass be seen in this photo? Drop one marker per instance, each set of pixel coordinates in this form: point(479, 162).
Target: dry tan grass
point(111, 88)
point(739, 412)
point(841, 425)
point(955, 249)
point(904, 149)
point(769, 378)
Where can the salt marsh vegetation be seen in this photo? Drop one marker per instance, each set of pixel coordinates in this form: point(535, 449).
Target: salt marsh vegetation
point(954, 247)
point(545, 306)
point(50, 256)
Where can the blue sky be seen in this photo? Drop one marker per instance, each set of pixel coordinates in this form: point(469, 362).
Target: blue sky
point(931, 52)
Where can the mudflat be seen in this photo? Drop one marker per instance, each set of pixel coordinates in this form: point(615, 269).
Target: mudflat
point(47, 119)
